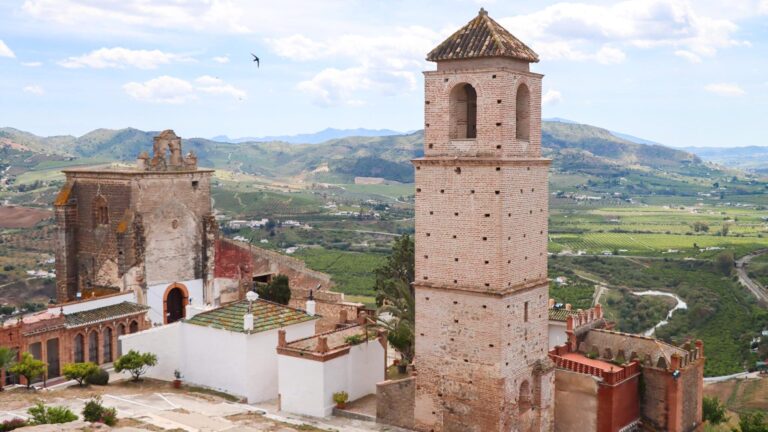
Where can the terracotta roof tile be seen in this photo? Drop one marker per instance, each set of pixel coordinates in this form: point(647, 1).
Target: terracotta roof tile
point(560, 314)
point(482, 37)
point(266, 316)
point(104, 313)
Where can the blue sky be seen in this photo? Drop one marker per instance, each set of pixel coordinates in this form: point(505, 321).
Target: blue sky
point(674, 71)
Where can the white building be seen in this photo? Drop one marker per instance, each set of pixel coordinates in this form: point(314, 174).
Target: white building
point(311, 370)
point(226, 349)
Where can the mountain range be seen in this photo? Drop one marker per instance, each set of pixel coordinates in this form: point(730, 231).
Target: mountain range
point(311, 138)
point(574, 148)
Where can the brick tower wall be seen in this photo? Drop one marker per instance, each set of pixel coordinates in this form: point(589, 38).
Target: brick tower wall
point(481, 263)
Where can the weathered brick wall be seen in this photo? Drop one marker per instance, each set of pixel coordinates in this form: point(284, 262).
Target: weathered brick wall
point(691, 380)
point(481, 263)
point(394, 402)
point(653, 398)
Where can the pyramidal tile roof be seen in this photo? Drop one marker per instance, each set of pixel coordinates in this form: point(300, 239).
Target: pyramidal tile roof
point(482, 37)
point(266, 316)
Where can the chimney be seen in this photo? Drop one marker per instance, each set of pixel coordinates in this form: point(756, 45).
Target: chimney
point(700, 347)
point(248, 322)
point(322, 345)
point(675, 361)
point(311, 305)
point(281, 338)
point(598, 311)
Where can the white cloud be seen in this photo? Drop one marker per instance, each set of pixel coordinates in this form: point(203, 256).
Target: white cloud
point(172, 90)
point(763, 7)
point(115, 16)
point(221, 59)
point(572, 31)
point(610, 55)
point(209, 84)
point(725, 89)
point(386, 64)
point(32, 64)
point(34, 89)
point(687, 55)
point(122, 57)
point(5, 51)
point(551, 97)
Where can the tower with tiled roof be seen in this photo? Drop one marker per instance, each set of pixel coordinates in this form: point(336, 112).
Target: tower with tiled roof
point(481, 239)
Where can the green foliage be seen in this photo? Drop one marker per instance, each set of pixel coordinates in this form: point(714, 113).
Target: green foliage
point(95, 412)
point(14, 423)
point(79, 371)
point(724, 263)
point(29, 367)
point(355, 339)
point(7, 359)
point(277, 291)
point(340, 397)
point(41, 414)
point(353, 272)
point(100, 377)
point(135, 363)
point(753, 422)
point(395, 297)
point(713, 411)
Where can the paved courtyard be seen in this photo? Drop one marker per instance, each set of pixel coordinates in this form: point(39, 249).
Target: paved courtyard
point(155, 406)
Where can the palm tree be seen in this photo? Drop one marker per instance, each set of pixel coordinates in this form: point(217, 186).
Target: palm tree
point(7, 358)
point(397, 315)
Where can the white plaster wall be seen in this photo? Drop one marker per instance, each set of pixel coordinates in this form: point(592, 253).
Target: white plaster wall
point(307, 386)
point(155, 298)
point(365, 368)
point(301, 386)
point(557, 334)
point(165, 342)
point(95, 303)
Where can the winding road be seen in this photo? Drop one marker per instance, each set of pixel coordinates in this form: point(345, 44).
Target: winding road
point(754, 286)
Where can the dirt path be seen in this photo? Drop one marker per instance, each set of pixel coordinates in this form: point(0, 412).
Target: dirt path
point(757, 289)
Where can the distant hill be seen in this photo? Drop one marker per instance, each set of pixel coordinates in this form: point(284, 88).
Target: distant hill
point(752, 158)
point(312, 138)
point(574, 148)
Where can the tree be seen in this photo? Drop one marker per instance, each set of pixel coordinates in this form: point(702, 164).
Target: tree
point(724, 263)
point(278, 290)
point(79, 371)
point(726, 228)
point(714, 412)
point(7, 359)
point(395, 297)
point(400, 266)
point(135, 363)
point(29, 367)
point(753, 422)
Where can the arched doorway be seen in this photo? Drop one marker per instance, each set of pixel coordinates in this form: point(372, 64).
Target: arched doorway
point(107, 350)
point(463, 112)
point(175, 303)
point(79, 348)
point(134, 328)
point(93, 347)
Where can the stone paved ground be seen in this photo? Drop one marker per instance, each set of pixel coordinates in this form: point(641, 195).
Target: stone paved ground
point(155, 406)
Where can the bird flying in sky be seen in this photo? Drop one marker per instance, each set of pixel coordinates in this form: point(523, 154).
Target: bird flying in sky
point(256, 59)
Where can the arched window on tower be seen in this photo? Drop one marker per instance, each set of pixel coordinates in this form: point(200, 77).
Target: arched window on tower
point(463, 112)
point(524, 398)
point(523, 110)
point(100, 211)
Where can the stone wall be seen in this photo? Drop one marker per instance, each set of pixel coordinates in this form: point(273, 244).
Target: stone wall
point(395, 401)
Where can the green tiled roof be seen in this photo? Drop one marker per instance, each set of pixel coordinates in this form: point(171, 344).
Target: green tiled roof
point(266, 316)
point(104, 313)
point(560, 314)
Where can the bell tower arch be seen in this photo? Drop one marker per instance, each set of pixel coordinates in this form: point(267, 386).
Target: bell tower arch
point(481, 239)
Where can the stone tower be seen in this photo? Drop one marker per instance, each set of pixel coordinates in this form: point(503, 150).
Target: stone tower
point(481, 239)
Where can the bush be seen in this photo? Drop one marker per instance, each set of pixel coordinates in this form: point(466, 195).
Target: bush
point(95, 412)
point(29, 368)
point(356, 339)
point(714, 411)
point(41, 414)
point(136, 363)
point(79, 371)
point(100, 377)
point(340, 397)
point(12, 424)
point(277, 291)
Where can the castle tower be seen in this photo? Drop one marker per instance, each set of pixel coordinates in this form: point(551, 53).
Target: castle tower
point(481, 239)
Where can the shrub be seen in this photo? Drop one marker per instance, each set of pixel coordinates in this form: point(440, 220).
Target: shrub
point(42, 414)
point(714, 411)
point(356, 339)
point(100, 377)
point(95, 412)
point(12, 424)
point(340, 397)
point(79, 371)
point(136, 363)
point(277, 291)
point(29, 367)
